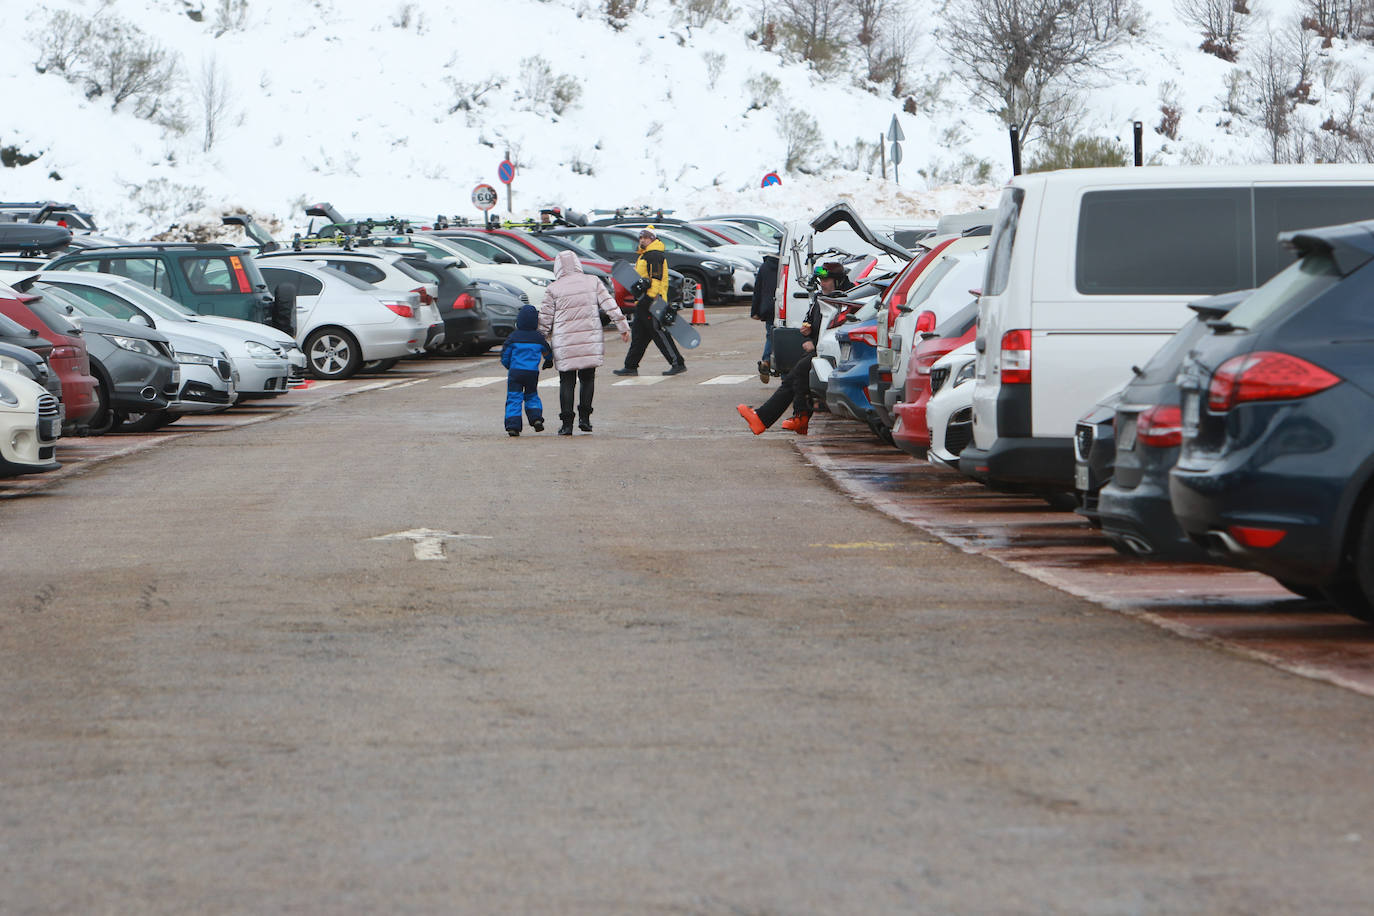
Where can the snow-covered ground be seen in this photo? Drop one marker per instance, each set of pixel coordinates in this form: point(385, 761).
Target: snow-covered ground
point(350, 101)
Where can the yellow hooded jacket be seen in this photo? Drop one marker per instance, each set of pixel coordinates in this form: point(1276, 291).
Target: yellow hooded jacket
point(653, 266)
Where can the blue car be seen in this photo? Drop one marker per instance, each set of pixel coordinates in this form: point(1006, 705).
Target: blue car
point(1276, 469)
point(846, 392)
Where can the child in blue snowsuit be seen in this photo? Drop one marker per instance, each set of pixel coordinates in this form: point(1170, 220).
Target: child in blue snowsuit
point(524, 352)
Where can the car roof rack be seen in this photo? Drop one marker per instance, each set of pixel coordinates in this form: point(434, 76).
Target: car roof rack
point(301, 242)
point(168, 246)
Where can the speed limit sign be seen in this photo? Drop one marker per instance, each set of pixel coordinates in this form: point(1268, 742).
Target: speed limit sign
point(484, 197)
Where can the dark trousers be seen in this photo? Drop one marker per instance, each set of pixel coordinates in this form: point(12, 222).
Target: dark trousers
point(645, 329)
point(567, 383)
point(522, 390)
point(795, 390)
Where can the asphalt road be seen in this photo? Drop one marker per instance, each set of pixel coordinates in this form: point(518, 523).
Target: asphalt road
point(671, 670)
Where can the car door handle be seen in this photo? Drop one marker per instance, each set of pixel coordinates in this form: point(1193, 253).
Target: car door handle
point(980, 345)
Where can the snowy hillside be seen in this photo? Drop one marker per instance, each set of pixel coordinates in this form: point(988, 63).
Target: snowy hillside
point(355, 102)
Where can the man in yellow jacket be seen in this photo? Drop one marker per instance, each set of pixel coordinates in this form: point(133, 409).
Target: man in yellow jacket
point(652, 266)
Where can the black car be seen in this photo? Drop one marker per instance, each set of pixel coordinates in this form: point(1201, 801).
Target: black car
point(1124, 483)
point(1276, 470)
point(467, 329)
point(134, 366)
point(625, 300)
point(715, 277)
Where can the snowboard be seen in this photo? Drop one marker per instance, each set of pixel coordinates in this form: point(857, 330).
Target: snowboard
point(623, 272)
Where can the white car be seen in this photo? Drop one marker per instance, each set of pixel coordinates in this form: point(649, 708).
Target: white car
point(388, 272)
point(30, 424)
point(950, 411)
point(528, 279)
point(342, 321)
point(260, 360)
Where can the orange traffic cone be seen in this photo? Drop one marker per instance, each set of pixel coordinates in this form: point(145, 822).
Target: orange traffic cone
point(698, 308)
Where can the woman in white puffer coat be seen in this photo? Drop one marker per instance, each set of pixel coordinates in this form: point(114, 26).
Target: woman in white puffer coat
point(570, 317)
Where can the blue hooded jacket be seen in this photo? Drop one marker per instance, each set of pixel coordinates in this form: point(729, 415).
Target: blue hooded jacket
point(526, 349)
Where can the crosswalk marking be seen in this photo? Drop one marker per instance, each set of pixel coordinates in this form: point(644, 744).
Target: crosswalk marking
point(642, 380)
point(480, 381)
point(551, 382)
point(728, 379)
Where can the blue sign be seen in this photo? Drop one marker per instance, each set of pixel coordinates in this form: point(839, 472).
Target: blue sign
point(771, 179)
point(506, 171)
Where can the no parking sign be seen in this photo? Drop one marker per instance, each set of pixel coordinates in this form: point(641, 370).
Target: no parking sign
point(770, 179)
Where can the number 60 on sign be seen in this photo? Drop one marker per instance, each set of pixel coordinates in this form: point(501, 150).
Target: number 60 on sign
point(484, 197)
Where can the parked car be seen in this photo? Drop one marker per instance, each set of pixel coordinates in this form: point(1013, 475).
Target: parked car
point(1094, 454)
point(342, 321)
point(1276, 470)
point(68, 358)
point(846, 393)
point(913, 430)
point(714, 276)
point(1091, 270)
point(949, 414)
point(207, 375)
point(388, 271)
point(524, 278)
point(48, 211)
point(30, 425)
point(1133, 503)
point(943, 290)
point(209, 279)
point(766, 227)
point(134, 366)
point(260, 363)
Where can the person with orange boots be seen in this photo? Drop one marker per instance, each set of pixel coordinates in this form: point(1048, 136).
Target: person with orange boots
point(796, 384)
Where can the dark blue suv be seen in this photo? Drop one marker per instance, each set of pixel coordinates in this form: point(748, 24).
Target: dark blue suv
point(1276, 470)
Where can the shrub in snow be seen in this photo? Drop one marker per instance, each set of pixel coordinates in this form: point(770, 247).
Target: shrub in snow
point(697, 13)
point(617, 12)
point(1063, 151)
point(1222, 23)
point(545, 89)
point(802, 139)
point(230, 16)
point(715, 63)
point(761, 89)
point(110, 58)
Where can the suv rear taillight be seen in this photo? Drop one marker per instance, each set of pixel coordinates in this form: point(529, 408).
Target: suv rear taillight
point(423, 293)
point(1265, 376)
point(782, 309)
point(401, 308)
point(465, 301)
point(1160, 426)
point(1016, 357)
point(894, 308)
point(240, 275)
point(867, 335)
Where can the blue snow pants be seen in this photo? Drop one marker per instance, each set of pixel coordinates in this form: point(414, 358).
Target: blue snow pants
point(522, 390)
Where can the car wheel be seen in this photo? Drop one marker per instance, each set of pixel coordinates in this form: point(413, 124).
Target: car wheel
point(332, 354)
point(104, 418)
point(143, 422)
point(380, 365)
point(451, 348)
point(690, 284)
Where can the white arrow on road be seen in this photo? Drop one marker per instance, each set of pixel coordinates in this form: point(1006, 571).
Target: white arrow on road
point(428, 543)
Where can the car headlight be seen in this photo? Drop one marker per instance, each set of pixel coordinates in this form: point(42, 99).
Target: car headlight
point(135, 344)
point(259, 351)
point(964, 374)
point(195, 359)
point(715, 265)
point(539, 281)
point(7, 396)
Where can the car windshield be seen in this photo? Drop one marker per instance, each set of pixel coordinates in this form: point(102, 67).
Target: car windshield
point(1296, 284)
point(11, 328)
point(52, 315)
point(154, 301)
point(736, 234)
point(562, 244)
point(513, 248)
point(449, 250)
point(538, 244)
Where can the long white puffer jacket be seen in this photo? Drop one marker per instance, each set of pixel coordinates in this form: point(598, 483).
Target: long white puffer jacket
point(570, 315)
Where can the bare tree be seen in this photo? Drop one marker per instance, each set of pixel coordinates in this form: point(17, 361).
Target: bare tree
point(1272, 81)
point(816, 30)
point(1222, 23)
point(1338, 18)
point(214, 96)
point(1028, 58)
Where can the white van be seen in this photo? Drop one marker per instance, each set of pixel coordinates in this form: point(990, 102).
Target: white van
point(1091, 270)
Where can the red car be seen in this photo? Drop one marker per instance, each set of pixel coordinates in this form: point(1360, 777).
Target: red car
point(80, 390)
point(911, 433)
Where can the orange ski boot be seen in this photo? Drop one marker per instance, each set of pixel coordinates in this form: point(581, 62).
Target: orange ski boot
point(755, 424)
point(797, 423)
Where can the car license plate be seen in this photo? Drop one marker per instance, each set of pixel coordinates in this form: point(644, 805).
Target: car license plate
point(845, 350)
point(50, 429)
point(1125, 438)
point(1080, 477)
point(1191, 410)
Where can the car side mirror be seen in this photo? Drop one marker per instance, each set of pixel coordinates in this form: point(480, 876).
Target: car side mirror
point(139, 318)
point(503, 258)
